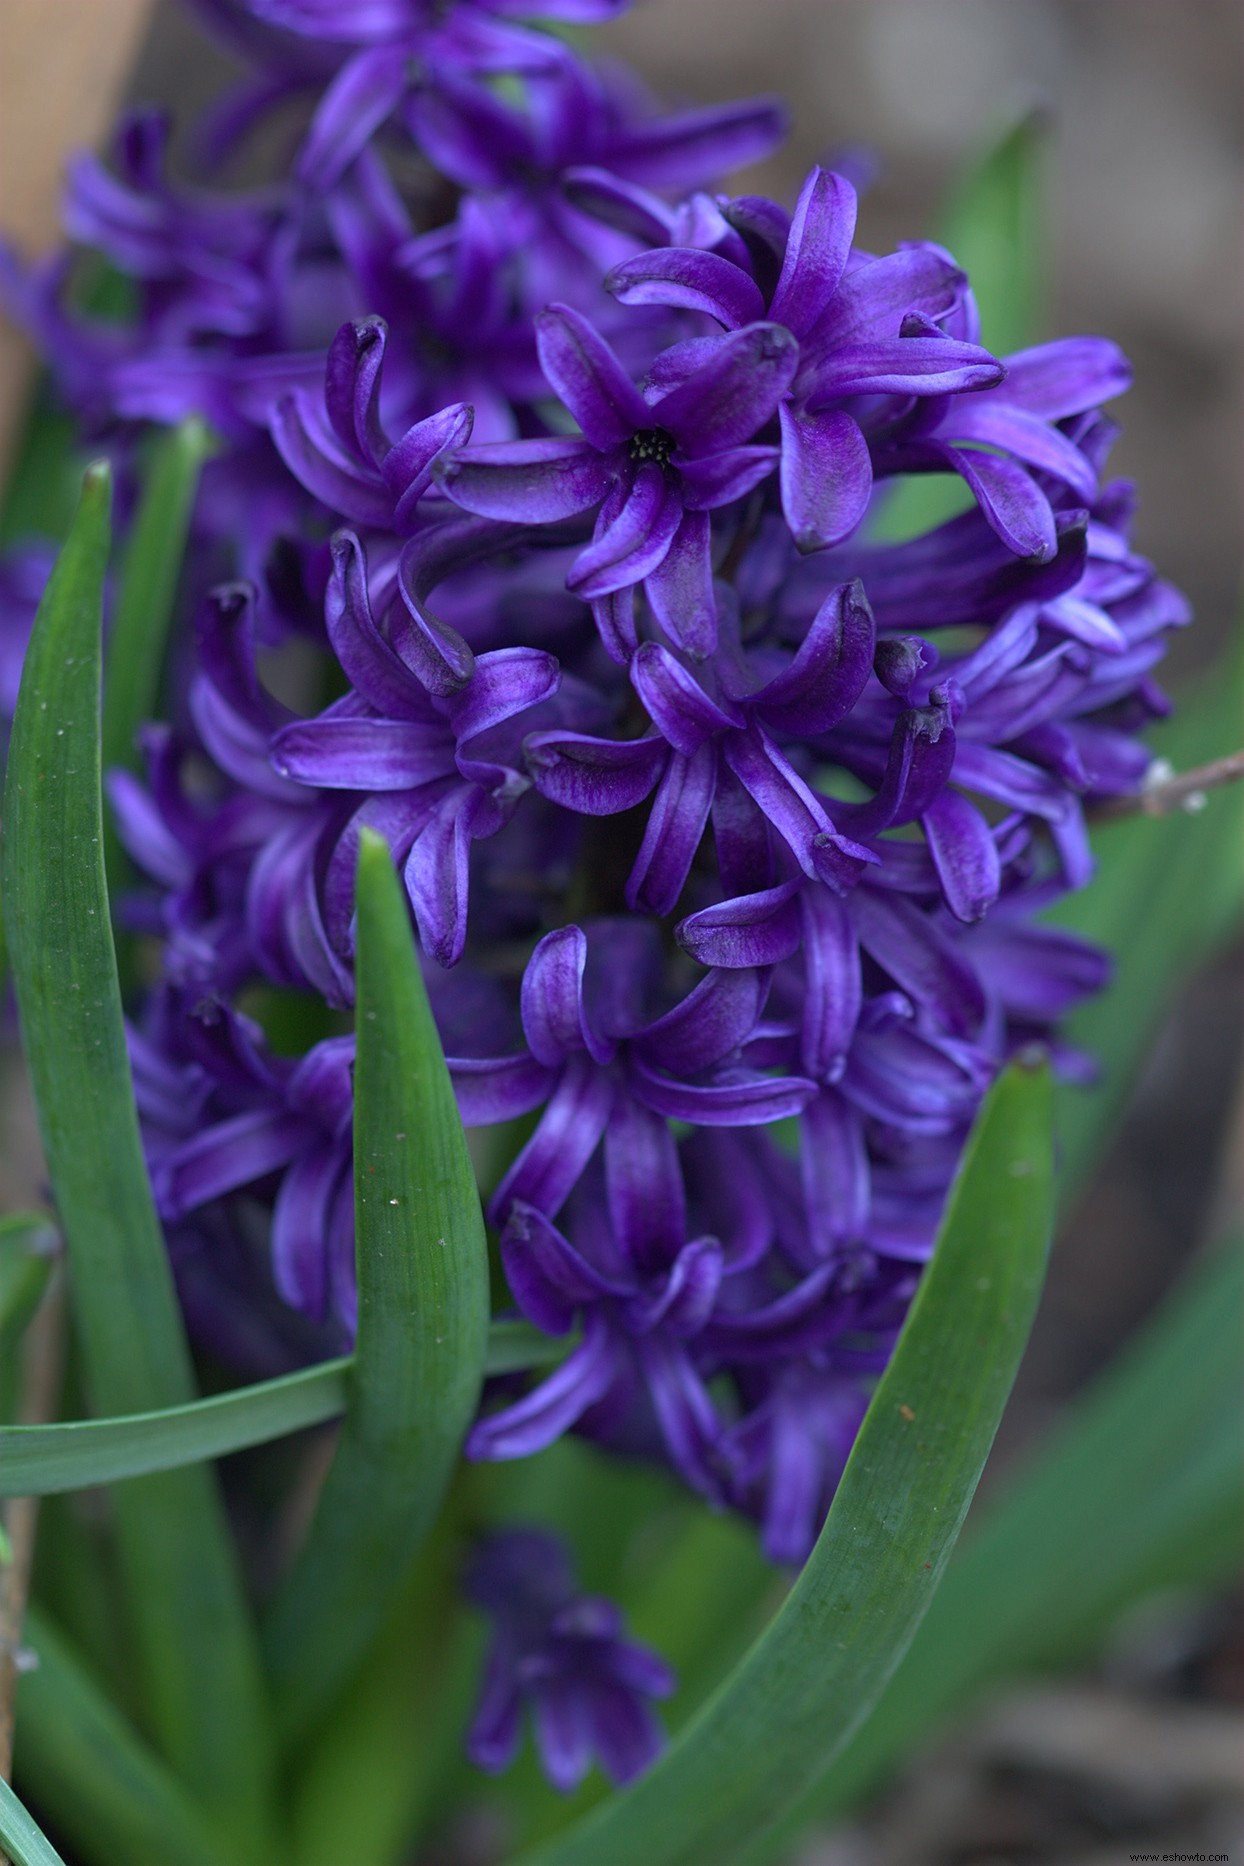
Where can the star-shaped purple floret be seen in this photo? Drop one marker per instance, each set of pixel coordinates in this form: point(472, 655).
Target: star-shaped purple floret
point(653, 464)
point(561, 1654)
point(865, 327)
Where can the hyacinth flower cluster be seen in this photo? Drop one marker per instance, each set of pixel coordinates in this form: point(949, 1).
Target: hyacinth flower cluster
point(725, 827)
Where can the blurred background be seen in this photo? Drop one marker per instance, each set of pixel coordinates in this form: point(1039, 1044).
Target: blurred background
point(1145, 118)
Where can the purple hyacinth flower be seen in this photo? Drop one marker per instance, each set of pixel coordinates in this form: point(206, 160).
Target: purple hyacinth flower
point(644, 1287)
point(1007, 444)
point(610, 1073)
point(563, 1656)
point(429, 738)
point(210, 259)
point(432, 67)
point(722, 732)
point(369, 22)
point(350, 464)
point(865, 327)
point(791, 1449)
point(653, 465)
point(635, 1362)
point(240, 861)
point(436, 72)
point(210, 858)
point(223, 1114)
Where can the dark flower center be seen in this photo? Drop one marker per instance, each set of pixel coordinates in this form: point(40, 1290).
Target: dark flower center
point(652, 444)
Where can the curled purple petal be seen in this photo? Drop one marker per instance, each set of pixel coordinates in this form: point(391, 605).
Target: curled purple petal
point(633, 539)
point(749, 930)
point(817, 248)
point(826, 476)
point(965, 855)
point(680, 588)
point(674, 831)
point(919, 958)
point(733, 394)
point(531, 482)
point(694, 281)
point(1064, 378)
point(711, 1023)
point(588, 377)
point(721, 478)
point(677, 705)
point(362, 754)
point(596, 777)
point(830, 669)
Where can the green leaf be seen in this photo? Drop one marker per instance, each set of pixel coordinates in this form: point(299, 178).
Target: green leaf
point(38, 1460)
point(422, 1268)
point(27, 1253)
point(138, 636)
point(1167, 891)
point(19, 1836)
point(1139, 1489)
point(193, 1648)
point(30, 1230)
point(994, 223)
point(41, 1460)
point(514, 1346)
point(812, 1677)
point(28, 1244)
point(147, 586)
point(43, 483)
point(362, 1787)
point(112, 1796)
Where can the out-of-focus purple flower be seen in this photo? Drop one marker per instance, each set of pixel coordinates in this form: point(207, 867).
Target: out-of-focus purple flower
point(792, 1447)
point(350, 463)
point(24, 572)
point(211, 259)
point(237, 859)
point(431, 67)
point(563, 1656)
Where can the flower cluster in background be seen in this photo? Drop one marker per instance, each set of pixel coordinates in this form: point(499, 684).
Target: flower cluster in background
point(551, 471)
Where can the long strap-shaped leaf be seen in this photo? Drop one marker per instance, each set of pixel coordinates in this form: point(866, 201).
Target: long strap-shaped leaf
point(27, 1241)
point(422, 1268)
point(20, 1837)
point(816, 1671)
point(148, 585)
point(996, 223)
point(1167, 891)
point(1139, 1489)
point(39, 1460)
point(114, 1799)
point(194, 1653)
point(146, 591)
